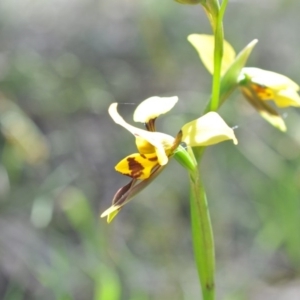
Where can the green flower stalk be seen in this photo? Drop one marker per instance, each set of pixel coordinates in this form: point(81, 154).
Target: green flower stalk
point(211, 8)
point(203, 242)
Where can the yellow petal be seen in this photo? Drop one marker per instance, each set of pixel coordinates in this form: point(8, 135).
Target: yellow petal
point(204, 45)
point(162, 142)
point(262, 92)
point(144, 146)
point(287, 97)
point(270, 79)
point(275, 120)
point(153, 107)
point(208, 130)
point(111, 212)
point(267, 85)
point(138, 166)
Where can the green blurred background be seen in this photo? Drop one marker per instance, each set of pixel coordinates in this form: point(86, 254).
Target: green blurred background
point(62, 62)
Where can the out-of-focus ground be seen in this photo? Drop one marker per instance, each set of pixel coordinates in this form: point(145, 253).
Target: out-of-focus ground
point(62, 63)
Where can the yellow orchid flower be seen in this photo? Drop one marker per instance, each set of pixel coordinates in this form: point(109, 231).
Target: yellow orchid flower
point(258, 86)
point(156, 148)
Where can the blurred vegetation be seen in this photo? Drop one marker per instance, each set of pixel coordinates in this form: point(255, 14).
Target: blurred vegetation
point(61, 64)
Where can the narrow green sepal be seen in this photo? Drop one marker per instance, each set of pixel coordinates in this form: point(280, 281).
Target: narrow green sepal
point(230, 79)
point(185, 158)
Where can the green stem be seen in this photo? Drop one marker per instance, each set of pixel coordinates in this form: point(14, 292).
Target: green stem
point(217, 75)
point(218, 55)
point(222, 9)
point(202, 234)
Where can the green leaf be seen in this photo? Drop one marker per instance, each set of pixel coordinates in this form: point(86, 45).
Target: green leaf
point(205, 44)
point(230, 79)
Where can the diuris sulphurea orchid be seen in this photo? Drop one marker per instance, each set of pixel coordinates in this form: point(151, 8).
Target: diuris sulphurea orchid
point(155, 148)
point(258, 86)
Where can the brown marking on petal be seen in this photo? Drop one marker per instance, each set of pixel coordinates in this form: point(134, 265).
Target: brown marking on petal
point(135, 167)
point(150, 125)
point(177, 141)
point(153, 158)
point(143, 156)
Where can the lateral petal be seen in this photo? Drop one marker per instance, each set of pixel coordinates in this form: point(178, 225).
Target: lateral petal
point(207, 130)
point(287, 97)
